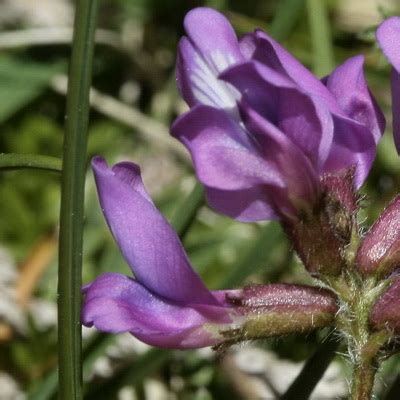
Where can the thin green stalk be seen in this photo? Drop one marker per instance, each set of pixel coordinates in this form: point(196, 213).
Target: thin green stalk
point(12, 161)
point(187, 210)
point(183, 218)
point(72, 198)
point(321, 36)
point(285, 18)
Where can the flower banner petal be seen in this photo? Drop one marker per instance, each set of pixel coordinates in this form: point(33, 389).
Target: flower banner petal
point(211, 46)
point(148, 243)
point(199, 83)
point(212, 34)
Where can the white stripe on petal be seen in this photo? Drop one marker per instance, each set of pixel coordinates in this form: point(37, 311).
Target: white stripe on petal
point(207, 88)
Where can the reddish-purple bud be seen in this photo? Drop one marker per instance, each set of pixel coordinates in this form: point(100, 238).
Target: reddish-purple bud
point(379, 252)
point(322, 235)
point(340, 189)
point(386, 311)
point(280, 309)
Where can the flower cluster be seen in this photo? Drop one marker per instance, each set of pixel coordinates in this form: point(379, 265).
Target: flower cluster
point(268, 140)
point(262, 129)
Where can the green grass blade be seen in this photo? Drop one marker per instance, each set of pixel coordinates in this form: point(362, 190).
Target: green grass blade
point(287, 14)
point(12, 161)
point(320, 36)
point(186, 212)
point(72, 199)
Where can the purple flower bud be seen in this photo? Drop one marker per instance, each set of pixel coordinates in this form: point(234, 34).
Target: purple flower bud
point(263, 131)
point(340, 188)
point(280, 309)
point(321, 236)
point(386, 312)
point(379, 252)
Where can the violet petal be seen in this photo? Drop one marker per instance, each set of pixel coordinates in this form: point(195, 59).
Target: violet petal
point(395, 88)
point(115, 303)
point(211, 46)
point(353, 147)
point(306, 121)
point(148, 243)
point(347, 83)
point(213, 36)
point(300, 178)
point(388, 35)
point(273, 55)
point(199, 83)
point(246, 205)
point(223, 154)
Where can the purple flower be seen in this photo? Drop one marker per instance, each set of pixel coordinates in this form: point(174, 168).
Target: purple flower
point(263, 130)
point(388, 35)
point(167, 304)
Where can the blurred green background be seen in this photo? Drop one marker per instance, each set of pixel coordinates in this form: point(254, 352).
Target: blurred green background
point(134, 102)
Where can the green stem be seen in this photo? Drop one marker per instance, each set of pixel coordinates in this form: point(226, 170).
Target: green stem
point(358, 298)
point(320, 36)
point(187, 210)
point(366, 366)
point(286, 16)
point(363, 380)
point(72, 198)
point(12, 161)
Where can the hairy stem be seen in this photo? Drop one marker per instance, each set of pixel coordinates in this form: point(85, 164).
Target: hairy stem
point(363, 380)
point(358, 294)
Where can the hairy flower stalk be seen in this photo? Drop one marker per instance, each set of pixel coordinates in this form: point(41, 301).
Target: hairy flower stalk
point(268, 140)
